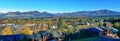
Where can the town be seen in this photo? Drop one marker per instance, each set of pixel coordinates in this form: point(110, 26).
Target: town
point(59, 28)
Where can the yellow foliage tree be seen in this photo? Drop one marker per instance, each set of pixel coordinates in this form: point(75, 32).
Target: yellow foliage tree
point(44, 27)
point(27, 31)
point(7, 31)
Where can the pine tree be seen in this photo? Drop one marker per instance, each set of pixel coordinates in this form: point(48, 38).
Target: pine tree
point(60, 23)
point(101, 22)
point(48, 26)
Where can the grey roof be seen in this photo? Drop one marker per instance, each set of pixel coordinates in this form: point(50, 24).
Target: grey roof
point(112, 29)
point(56, 34)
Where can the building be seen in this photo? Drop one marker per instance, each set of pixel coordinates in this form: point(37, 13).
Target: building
point(106, 30)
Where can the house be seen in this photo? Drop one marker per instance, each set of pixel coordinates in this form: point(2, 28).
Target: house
point(50, 35)
point(106, 30)
point(44, 35)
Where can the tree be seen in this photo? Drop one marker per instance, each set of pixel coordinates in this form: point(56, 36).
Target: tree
point(101, 22)
point(7, 31)
point(116, 24)
point(48, 26)
point(27, 31)
point(44, 27)
point(75, 27)
point(108, 24)
point(60, 23)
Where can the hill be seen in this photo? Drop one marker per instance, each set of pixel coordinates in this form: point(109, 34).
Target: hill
point(103, 12)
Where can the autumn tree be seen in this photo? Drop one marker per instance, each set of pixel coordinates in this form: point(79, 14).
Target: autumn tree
point(27, 31)
point(43, 27)
point(7, 31)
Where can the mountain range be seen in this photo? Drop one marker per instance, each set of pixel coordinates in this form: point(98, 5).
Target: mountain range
point(103, 12)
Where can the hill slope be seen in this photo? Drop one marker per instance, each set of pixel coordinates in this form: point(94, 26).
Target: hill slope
point(103, 12)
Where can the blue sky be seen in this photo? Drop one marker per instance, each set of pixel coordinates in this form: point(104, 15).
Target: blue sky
point(55, 6)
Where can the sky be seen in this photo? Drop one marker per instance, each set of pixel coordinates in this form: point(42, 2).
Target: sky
point(57, 6)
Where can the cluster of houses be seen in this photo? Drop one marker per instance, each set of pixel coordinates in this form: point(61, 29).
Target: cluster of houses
point(105, 30)
point(39, 33)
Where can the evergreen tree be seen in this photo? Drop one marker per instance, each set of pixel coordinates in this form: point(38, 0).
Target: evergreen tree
point(49, 26)
point(60, 24)
point(101, 22)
